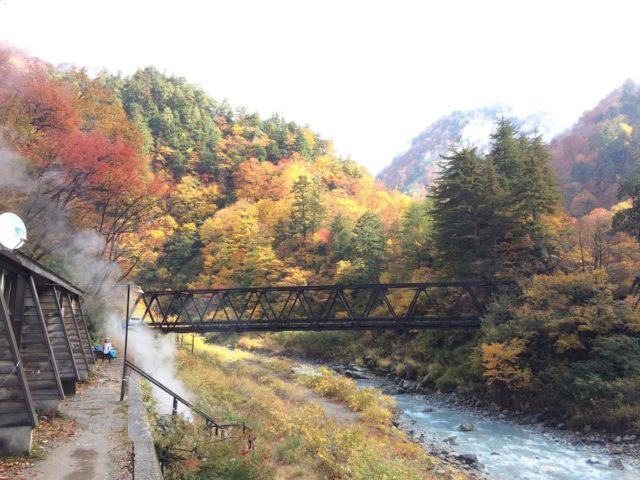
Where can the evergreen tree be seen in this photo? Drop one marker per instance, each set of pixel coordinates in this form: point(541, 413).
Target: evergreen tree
point(456, 214)
point(536, 194)
point(493, 223)
point(182, 258)
point(530, 191)
point(306, 209)
point(341, 238)
point(369, 243)
point(414, 234)
point(537, 188)
point(506, 153)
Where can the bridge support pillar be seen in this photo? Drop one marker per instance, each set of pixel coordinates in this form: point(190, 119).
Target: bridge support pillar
point(15, 441)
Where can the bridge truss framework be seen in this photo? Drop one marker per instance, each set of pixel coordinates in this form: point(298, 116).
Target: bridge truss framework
point(427, 305)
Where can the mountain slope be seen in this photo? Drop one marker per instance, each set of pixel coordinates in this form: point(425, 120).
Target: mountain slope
point(602, 148)
point(413, 171)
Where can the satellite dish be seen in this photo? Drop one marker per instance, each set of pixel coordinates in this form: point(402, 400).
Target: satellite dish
point(13, 233)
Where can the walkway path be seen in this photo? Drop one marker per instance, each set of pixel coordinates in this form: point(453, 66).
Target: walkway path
point(99, 448)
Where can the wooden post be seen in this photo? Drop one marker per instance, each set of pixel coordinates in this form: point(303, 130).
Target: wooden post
point(66, 332)
point(85, 329)
point(43, 324)
point(126, 341)
point(17, 306)
point(75, 325)
point(193, 342)
point(15, 357)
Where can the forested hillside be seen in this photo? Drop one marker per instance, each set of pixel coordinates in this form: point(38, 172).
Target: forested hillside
point(252, 201)
point(182, 190)
point(148, 178)
point(602, 148)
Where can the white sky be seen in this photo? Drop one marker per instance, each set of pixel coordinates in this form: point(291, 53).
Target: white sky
point(368, 74)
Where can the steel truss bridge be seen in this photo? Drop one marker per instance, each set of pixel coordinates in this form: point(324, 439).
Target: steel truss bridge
point(400, 306)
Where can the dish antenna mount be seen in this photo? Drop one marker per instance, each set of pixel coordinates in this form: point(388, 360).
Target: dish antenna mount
point(13, 233)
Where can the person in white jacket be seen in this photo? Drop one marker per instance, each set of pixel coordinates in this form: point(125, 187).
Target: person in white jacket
point(106, 348)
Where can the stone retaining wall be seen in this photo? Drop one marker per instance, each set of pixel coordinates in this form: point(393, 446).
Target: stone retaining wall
point(145, 460)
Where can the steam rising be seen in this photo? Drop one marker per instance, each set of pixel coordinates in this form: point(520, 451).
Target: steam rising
point(77, 255)
point(155, 353)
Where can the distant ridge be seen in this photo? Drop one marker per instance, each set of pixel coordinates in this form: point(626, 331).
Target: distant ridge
point(413, 171)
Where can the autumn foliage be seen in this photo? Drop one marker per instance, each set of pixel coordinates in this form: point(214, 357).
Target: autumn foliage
point(160, 183)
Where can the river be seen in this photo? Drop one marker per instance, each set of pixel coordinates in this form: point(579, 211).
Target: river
point(505, 449)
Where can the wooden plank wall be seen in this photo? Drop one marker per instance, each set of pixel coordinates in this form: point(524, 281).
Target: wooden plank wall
point(44, 346)
point(57, 331)
point(36, 351)
point(16, 404)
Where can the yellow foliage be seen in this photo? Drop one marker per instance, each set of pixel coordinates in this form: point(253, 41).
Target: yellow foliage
point(568, 342)
point(500, 360)
point(621, 206)
point(193, 200)
point(343, 269)
point(626, 128)
point(350, 208)
point(308, 136)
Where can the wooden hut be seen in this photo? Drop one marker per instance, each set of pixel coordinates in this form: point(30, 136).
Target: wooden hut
point(44, 346)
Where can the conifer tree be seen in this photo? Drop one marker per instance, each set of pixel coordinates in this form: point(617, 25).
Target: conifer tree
point(369, 242)
point(493, 223)
point(457, 215)
point(341, 238)
point(537, 189)
point(414, 235)
point(506, 152)
point(306, 208)
point(529, 188)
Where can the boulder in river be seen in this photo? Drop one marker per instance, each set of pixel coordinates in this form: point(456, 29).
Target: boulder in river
point(469, 459)
point(616, 463)
point(410, 372)
point(466, 427)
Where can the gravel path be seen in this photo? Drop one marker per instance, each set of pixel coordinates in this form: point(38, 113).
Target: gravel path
point(99, 448)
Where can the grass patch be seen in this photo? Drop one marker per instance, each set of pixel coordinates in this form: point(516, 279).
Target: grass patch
point(294, 437)
point(375, 407)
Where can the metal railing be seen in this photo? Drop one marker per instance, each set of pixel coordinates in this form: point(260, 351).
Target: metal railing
point(219, 429)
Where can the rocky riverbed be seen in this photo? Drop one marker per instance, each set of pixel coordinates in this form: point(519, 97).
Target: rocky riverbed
point(498, 443)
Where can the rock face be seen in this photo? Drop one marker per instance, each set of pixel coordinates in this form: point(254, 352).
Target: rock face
point(466, 427)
